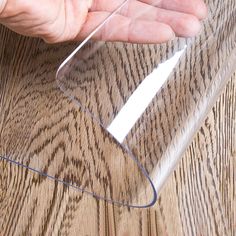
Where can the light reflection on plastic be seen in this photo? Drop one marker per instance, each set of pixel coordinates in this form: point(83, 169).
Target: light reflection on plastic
point(141, 98)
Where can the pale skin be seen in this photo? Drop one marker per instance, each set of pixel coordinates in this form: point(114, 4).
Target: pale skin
point(143, 21)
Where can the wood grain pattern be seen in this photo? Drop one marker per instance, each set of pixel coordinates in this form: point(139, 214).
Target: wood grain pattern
point(37, 120)
point(103, 89)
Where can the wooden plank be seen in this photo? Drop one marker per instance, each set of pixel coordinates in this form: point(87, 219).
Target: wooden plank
point(199, 198)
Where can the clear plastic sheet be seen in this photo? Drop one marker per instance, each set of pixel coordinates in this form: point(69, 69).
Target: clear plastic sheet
point(142, 107)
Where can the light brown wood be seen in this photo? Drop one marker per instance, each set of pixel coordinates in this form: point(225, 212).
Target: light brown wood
point(37, 120)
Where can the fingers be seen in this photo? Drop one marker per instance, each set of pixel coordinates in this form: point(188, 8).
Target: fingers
point(124, 29)
point(184, 25)
point(194, 7)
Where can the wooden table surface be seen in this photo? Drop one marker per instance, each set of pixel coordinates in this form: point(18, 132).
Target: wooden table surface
point(199, 199)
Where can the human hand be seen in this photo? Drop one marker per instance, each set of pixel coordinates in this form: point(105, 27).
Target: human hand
point(143, 21)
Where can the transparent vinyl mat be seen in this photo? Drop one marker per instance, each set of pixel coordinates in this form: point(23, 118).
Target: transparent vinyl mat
point(140, 106)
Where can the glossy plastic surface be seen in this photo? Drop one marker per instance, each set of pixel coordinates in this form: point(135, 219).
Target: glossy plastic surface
point(142, 105)
point(131, 101)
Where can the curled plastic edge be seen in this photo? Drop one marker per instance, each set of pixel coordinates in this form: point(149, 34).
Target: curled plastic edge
point(125, 149)
point(119, 203)
point(213, 93)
